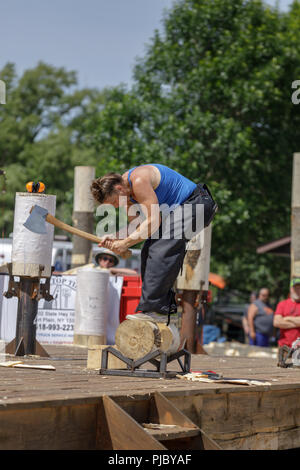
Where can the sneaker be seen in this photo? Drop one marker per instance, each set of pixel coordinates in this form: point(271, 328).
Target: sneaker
point(148, 316)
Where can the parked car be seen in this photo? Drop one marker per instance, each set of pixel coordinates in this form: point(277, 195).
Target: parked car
point(227, 311)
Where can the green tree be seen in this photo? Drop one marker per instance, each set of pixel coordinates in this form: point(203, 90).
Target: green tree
point(212, 99)
point(36, 137)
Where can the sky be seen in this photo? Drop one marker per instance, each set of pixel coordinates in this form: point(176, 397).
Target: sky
point(99, 39)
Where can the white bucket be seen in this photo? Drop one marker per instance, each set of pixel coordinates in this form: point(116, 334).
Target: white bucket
point(91, 304)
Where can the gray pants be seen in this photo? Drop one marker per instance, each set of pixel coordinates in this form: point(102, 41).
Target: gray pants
point(162, 259)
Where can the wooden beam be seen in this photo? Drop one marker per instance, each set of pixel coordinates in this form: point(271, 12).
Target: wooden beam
point(48, 428)
point(165, 412)
point(117, 430)
point(295, 218)
point(83, 214)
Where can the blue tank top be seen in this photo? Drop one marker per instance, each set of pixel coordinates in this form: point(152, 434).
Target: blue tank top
point(173, 188)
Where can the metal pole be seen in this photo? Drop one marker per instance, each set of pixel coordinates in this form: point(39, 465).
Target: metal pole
point(27, 312)
point(29, 291)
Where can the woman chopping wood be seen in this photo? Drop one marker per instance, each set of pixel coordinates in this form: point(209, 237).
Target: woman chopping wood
point(174, 210)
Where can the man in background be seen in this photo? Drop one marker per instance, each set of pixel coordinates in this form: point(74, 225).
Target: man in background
point(287, 316)
point(260, 320)
point(109, 260)
point(245, 323)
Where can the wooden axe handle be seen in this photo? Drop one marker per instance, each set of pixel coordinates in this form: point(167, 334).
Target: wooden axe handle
point(80, 233)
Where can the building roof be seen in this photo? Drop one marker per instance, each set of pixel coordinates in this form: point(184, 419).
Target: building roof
point(280, 247)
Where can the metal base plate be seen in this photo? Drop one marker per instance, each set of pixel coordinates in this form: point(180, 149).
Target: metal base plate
point(159, 359)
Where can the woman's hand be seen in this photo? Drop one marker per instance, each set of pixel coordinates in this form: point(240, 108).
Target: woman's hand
point(252, 335)
point(104, 241)
point(117, 246)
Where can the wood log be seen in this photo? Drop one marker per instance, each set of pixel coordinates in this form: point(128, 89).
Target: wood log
point(170, 338)
point(88, 340)
point(137, 338)
point(166, 337)
point(95, 358)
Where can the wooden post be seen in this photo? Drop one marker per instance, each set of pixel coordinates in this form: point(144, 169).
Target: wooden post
point(83, 214)
point(31, 261)
point(194, 280)
point(295, 218)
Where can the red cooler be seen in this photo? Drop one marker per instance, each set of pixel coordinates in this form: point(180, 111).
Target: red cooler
point(131, 293)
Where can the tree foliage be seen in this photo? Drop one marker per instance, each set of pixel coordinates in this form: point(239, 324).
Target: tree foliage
point(211, 99)
point(36, 138)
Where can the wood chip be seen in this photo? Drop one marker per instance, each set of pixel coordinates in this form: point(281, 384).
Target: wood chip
point(10, 363)
point(194, 377)
point(19, 364)
point(158, 426)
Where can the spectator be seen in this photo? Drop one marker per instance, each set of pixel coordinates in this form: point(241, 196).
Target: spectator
point(260, 320)
point(287, 316)
point(245, 323)
point(108, 260)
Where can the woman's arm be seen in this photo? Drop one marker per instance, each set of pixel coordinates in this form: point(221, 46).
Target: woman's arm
point(245, 324)
point(284, 322)
point(123, 271)
point(252, 312)
point(148, 203)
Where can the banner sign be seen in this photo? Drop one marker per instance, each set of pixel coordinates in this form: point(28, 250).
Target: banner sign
point(55, 319)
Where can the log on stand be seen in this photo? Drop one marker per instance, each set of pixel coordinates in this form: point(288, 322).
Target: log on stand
point(139, 342)
point(137, 338)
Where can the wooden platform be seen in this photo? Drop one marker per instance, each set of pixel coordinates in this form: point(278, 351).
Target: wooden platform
point(59, 409)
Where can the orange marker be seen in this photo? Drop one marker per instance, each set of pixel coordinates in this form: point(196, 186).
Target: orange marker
point(35, 187)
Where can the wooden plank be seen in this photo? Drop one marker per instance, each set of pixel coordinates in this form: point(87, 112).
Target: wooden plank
point(49, 428)
point(237, 417)
point(95, 358)
point(165, 412)
point(117, 430)
point(20, 365)
point(166, 434)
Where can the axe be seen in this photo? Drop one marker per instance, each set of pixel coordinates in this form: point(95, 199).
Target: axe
point(39, 215)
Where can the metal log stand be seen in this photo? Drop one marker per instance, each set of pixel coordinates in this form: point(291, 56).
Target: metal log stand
point(133, 367)
point(29, 291)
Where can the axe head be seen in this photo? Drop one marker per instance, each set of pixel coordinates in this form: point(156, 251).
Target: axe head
point(36, 222)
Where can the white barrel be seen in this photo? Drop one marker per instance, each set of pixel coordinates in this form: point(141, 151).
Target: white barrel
point(91, 304)
point(31, 250)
